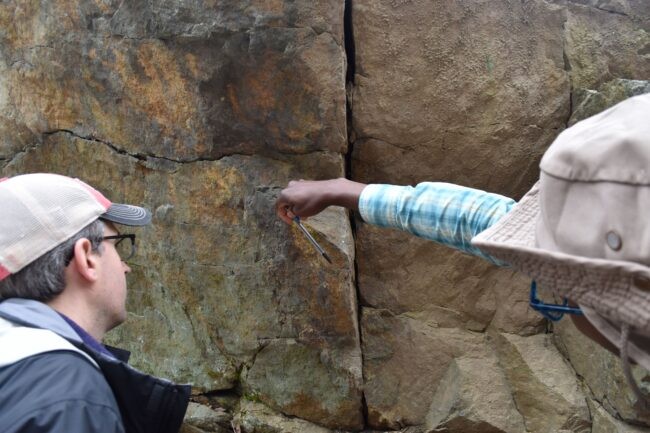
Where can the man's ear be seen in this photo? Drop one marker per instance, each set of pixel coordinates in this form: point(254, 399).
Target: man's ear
point(85, 260)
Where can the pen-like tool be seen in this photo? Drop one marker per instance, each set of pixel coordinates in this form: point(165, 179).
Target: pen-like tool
point(311, 239)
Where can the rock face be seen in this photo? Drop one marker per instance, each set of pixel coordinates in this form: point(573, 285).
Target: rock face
point(461, 403)
point(203, 110)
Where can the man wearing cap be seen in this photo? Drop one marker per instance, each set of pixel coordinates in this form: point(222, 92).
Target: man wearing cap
point(582, 231)
point(62, 287)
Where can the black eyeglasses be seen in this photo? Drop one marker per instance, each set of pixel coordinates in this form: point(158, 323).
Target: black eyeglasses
point(126, 250)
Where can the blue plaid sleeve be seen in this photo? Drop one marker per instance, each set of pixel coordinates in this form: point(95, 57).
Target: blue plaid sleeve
point(449, 214)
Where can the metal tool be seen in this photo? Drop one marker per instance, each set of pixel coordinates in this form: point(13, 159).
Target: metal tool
point(311, 239)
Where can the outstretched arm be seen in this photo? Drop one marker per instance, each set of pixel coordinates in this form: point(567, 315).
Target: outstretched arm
point(305, 198)
point(445, 213)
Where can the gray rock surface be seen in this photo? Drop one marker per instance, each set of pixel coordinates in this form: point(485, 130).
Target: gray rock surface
point(405, 358)
point(545, 389)
point(603, 422)
point(254, 417)
point(461, 403)
point(473, 93)
point(587, 102)
point(603, 375)
point(200, 418)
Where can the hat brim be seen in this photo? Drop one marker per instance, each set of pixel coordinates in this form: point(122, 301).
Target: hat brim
point(608, 287)
point(127, 214)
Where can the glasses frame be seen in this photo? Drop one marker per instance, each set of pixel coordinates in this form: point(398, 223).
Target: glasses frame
point(553, 312)
point(120, 238)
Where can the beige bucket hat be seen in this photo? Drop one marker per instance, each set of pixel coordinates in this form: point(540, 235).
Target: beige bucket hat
point(583, 230)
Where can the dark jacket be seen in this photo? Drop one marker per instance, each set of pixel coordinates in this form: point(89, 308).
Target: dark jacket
point(50, 381)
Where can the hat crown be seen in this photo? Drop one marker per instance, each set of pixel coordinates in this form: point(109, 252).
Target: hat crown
point(40, 211)
point(613, 146)
point(595, 186)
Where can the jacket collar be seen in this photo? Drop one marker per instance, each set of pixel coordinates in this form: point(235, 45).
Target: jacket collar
point(34, 314)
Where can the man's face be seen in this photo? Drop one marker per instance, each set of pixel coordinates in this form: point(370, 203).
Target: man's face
point(112, 282)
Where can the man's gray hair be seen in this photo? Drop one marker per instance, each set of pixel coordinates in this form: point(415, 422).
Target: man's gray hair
point(44, 278)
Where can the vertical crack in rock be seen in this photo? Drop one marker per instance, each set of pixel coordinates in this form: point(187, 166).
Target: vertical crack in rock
point(350, 54)
point(348, 35)
point(567, 69)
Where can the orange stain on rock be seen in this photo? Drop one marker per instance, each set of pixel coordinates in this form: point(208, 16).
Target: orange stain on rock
point(268, 7)
point(160, 90)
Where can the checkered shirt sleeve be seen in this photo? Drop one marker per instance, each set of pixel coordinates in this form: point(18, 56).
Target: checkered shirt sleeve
point(449, 214)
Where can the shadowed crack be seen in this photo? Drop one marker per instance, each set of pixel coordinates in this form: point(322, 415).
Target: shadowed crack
point(180, 37)
point(148, 156)
point(598, 8)
point(350, 54)
point(567, 69)
point(97, 140)
point(610, 11)
point(402, 147)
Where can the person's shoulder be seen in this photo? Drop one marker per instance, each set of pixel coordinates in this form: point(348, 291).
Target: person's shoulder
point(55, 386)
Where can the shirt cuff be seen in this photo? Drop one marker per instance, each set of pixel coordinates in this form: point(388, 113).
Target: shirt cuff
point(374, 203)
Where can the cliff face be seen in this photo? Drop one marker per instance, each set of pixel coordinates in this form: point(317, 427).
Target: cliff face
point(203, 110)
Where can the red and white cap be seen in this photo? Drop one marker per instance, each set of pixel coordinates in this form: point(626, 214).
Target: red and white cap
point(42, 210)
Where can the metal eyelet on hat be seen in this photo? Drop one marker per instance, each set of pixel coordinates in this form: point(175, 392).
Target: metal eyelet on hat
point(614, 240)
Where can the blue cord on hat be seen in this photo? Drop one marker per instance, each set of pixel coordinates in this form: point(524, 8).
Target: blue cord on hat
point(553, 312)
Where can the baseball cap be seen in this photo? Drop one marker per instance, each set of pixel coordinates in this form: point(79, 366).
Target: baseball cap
point(42, 210)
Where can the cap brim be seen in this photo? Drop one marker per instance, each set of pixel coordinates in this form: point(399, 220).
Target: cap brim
point(127, 214)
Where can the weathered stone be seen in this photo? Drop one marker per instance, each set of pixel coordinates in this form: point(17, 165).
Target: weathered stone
point(603, 422)
point(218, 276)
point(204, 419)
point(15, 138)
point(473, 397)
point(183, 83)
point(602, 373)
point(171, 18)
point(543, 385)
point(325, 395)
point(602, 46)
point(637, 10)
point(420, 117)
point(587, 103)
point(254, 417)
point(473, 94)
point(401, 273)
point(405, 359)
